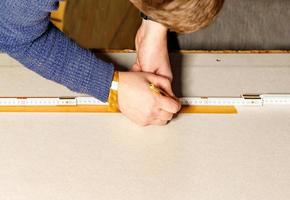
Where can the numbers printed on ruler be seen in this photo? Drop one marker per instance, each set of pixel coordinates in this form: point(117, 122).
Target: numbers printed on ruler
point(245, 100)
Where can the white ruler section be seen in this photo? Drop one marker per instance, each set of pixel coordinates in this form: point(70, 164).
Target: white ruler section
point(50, 101)
point(245, 100)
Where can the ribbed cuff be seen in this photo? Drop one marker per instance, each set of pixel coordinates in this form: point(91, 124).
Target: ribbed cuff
point(100, 80)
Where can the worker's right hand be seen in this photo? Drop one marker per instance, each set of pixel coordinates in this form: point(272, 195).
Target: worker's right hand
point(142, 105)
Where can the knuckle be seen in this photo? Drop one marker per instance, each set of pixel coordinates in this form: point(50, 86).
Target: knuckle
point(170, 117)
point(176, 107)
point(153, 102)
point(163, 123)
point(167, 116)
point(148, 114)
point(167, 83)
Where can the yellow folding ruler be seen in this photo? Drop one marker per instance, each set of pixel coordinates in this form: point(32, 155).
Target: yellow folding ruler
point(57, 17)
point(210, 105)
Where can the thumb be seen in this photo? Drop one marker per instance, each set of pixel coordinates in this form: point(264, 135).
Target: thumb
point(136, 68)
point(162, 83)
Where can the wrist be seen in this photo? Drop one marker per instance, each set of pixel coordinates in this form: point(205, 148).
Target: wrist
point(154, 27)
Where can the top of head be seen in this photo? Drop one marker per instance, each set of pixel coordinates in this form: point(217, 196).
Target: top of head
point(183, 16)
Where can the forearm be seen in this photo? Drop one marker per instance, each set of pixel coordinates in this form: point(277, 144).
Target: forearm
point(25, 34)
point(153, 30)
point(57, 58)
point(152, 52)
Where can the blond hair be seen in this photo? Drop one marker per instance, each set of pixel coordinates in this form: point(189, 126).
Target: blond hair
point(182, 16)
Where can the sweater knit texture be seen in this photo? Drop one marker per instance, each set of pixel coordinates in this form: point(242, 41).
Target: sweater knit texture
point(27, 35)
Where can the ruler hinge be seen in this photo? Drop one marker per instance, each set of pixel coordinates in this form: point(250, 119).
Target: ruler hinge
point(252, 96)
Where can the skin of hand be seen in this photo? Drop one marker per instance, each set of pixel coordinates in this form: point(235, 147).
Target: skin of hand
point(142, 105)
point(152, 51)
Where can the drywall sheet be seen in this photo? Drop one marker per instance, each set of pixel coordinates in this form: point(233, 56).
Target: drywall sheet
point(104, 156)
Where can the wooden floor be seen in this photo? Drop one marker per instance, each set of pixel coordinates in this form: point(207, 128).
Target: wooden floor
point(110, 24)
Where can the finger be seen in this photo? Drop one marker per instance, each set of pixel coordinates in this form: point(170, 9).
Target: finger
point(162, 83)
point(136, 68)
point(169, 104)
point(165, 72)
point(164, 115)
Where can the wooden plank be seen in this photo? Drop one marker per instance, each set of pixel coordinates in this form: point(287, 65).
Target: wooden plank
point(110, 24)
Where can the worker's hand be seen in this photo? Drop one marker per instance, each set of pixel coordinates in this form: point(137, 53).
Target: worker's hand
point(151, 47)
point(142, 105)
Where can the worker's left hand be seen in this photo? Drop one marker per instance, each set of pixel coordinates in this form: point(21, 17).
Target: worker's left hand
point(152, 52)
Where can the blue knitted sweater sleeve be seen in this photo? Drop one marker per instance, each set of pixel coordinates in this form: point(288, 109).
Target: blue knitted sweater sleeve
point(27, 35)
